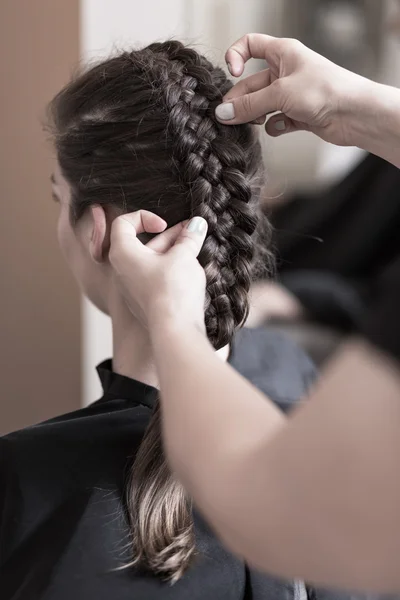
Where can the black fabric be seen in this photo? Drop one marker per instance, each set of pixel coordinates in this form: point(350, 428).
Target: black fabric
point(351, 229)
point(328, 298)
point(274, 365)
point(381, 323)
point(333, 246)
point(63, 528)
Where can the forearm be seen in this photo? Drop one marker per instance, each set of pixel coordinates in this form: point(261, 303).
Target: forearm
point(331, 483)
point(316, 497)
point(212, 415)
point(372, 114)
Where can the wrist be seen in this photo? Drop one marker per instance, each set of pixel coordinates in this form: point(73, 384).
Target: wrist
point(166, 322)
point(373, 119)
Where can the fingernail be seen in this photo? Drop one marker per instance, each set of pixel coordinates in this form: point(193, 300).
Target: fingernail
point(280, 125)
point(225, 111)
point(197, 225)
point(228, 64)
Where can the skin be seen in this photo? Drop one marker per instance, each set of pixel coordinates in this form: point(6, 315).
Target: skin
point(269, 300)
point(310, 93)
point(85, 247)
point(343, 446)
point(317, 496)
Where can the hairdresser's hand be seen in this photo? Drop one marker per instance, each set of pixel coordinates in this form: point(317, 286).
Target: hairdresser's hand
point(269, 300)
point(310, 92)
point(163, 279)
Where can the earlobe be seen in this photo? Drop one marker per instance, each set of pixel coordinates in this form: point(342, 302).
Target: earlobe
point(99, 239)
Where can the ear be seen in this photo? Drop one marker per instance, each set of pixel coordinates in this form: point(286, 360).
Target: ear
point(99, 241)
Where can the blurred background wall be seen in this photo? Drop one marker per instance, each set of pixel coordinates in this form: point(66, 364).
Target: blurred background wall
point(40, 329)
point(48, 338)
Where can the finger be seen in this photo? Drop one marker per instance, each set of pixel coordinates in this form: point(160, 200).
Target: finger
point(249, 107)
point(279, 124)
point(249, 84)
point(128, 226)
point(145, 221)
point(251, 45)
point(253, 83)
point(164, 241)
point(192, 236)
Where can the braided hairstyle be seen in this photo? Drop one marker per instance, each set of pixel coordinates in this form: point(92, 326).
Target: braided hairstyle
point(138, 131)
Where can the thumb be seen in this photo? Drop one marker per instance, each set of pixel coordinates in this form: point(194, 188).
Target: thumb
point(124, 243)
point(249, 107)
point(131, 224)
point(125, 229)
point(193, 235)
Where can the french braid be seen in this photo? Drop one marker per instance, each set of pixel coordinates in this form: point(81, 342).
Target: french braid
point(214, 168)
point(138, 131)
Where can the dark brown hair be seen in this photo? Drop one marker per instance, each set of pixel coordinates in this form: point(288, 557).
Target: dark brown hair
point(138, 131)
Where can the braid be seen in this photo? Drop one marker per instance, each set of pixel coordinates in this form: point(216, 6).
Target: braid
point(138, 131)
point(213, 168)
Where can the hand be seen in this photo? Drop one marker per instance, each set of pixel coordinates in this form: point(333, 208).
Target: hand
point(310, 92)
point(162, 280)
point(269, 300)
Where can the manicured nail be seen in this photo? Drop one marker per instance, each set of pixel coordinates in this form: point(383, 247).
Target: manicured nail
point(280, 125)
point(225, 111)
point(197, 225)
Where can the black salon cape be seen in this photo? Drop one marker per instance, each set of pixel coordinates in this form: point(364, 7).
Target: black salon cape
point(334, 246)
point(63, 530)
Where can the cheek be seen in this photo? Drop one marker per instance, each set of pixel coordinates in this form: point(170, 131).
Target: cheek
point(71, 247)
point(66, 237)
point(89, 277)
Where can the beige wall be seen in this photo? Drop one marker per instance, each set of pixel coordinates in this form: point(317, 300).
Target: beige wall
point(39, 302)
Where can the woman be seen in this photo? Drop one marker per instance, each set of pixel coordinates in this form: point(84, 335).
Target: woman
point(339, 456)
point(88, 506)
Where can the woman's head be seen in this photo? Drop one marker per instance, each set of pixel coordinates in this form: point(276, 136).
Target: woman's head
point(138, 131)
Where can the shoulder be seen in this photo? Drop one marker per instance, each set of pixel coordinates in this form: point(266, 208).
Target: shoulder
point(89, 444)
point(274, 364)
point(97, 434)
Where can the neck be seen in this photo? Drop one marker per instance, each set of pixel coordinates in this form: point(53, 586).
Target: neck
point(132, 351)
